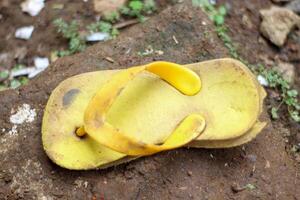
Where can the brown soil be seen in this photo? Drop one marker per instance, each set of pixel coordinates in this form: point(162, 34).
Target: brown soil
point(45, 38)
point(27, 173)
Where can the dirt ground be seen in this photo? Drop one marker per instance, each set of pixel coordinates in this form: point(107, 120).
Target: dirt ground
point(45, 38)
point(265, 163)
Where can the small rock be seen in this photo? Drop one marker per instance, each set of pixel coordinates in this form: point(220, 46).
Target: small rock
point(24, 32)
point(277, 23)
point(108, 6)
point(262, 80)
point(287, 70)
point(85, 184)
point(41, 63)
point(294, 6)
point(189, 173)
point(99, 36)
point(33, 7)
point(35, 73)
point(22, 72)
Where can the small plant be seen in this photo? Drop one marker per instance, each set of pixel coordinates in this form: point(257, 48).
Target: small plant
point(137, 8)
point(112, 17)
point(222, 33)
point(149, 6)
point(71, 33)
point(217, 15)
point(77, 42)
point(17, 82)
point(12, 82)
point(288, 96)
point(104, 27)
point(4, 74)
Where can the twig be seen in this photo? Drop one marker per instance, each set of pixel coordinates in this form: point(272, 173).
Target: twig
point(126, 23)
point(175, 39)
point(109, 59)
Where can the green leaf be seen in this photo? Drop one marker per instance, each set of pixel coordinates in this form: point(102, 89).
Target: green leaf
point(105, 27)
point(24, 80)
point(274, 113)
point(15, 83)
point(63, 53)
point(149, 6)
point(17, 67)
point(219, 19)
point(142, 18)
point(4, 74)
point(222, 10)
point(136, 5)
point(125, 10)
point(114, 32)
point(295, 116)
point(292, 93)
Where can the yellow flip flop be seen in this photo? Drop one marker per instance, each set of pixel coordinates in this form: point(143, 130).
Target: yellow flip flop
point(104, 118)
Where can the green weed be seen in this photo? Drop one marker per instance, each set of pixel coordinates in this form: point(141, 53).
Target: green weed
point(137, 8)
point(70, 31)
point(14, 82)
point(288, 96)
point(102, 26)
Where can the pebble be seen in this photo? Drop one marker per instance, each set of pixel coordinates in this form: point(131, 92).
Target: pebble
point(99, 36)
point(22, 72)
point(41, 62)
point(262, 80)
point(33, 7)
point(277, 23)
point(24, 32)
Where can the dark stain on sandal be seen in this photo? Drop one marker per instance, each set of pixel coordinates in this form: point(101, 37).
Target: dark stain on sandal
point(69, 97)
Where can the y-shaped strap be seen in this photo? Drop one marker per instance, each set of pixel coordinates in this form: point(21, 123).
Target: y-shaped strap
point(95, 125)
